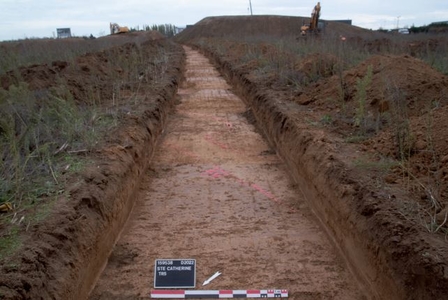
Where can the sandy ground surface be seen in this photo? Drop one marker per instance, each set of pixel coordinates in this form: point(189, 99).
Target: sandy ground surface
point(217, 193)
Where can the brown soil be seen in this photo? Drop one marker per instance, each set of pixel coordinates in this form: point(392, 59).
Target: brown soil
point(217, 193)
point(88, 76)
point(330, 221)
point(266, 27)
point(409, 82)
point(61, 256)
point(380, 214)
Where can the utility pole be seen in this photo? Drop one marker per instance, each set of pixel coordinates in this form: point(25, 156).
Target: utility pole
point(398, 21)
point(250, 6)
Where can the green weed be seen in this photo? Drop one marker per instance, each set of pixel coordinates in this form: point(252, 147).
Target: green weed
point(34, 128)
point(326, 120)
point(400, 122)
point(361, 96)
point(380, 166)
point(9, 242)
point(355, 139)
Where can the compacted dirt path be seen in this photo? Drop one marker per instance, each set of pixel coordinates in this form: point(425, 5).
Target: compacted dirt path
point(217, 193)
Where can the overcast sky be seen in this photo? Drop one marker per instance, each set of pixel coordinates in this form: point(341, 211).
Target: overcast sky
point(40, 18)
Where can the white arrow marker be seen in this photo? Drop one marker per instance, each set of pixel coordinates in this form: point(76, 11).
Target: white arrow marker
point(211, 278)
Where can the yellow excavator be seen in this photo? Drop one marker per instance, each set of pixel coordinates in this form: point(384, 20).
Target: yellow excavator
point(313, 26)
point(115, 29)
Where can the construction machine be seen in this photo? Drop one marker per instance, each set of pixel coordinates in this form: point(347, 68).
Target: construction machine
point(115, 29)
point(313, 26)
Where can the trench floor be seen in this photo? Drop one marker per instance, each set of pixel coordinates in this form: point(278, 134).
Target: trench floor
point(216, 192)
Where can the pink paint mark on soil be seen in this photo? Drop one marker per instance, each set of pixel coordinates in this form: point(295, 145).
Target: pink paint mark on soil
point(218, 172)
point(212, 140)
point(265, 192)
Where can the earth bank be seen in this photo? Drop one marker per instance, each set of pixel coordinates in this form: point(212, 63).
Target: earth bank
point(61, 256)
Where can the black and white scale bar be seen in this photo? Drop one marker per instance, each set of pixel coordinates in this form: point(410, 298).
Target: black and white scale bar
point(216, 294)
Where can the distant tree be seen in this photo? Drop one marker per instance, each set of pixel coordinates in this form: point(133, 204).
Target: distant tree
point(167, 30)
point(419, 29)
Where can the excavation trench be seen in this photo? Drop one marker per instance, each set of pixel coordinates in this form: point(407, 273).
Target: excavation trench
point(216, 192)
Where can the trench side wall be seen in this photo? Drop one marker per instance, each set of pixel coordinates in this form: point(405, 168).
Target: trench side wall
point(130, 165)
point(85, 226)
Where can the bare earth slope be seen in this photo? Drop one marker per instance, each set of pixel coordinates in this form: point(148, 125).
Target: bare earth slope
point(268, 26)
point(63, 242)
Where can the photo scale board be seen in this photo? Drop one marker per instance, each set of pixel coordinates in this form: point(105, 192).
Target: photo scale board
point(175, 273)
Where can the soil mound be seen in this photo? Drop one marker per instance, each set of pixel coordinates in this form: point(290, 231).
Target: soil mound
point(395, 80)
point(419, 47)
point(136, 36)
point(87, 77)
point(95, 76)
point(427, 162)
point(406, 108)
point(262, 25)
point(322, 64)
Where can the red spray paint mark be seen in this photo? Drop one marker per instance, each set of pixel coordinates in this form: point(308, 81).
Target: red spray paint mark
point(221, 145)
point(218, 172)
point(265, 192)
point(212, 140)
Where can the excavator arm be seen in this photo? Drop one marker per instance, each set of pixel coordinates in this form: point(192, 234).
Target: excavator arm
point(315, 17)
point(314, 21)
